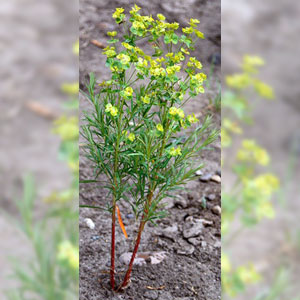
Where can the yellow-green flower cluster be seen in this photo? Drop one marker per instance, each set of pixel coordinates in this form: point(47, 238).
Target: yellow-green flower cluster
point(251, 152)
point(110, 52)
point(174, 111)
point(118, 15)
point(251, 63)
point(173, 69)
point(175, 58)
point(109, 108)
point(243, 275)
point(193, 62)
point(141, 65)
point(192, 119)
point(146, 99)
point(238, 81)
point(66, 128)
point(196, 82)
point(125, 59)
point(70, 253)
point(263, 89)
point(159, 127)
point(175, 151)
point(131, 137)
point(157, 71)
point(70, 88)
point(127, 93)
point(112, 33)
point(258, 191)
point(161, 17)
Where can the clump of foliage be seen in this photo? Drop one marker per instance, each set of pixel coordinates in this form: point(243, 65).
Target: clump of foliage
point(137, 134)
point(249, 199)
point(53, 271)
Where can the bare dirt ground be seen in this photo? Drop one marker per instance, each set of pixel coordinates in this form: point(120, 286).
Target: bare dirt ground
point(192, 267)
point(36, 58)
point(270, 29)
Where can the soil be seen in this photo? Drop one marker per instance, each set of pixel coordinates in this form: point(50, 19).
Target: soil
point(189, 271)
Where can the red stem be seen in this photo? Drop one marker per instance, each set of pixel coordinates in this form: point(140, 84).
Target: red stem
point(137, 243)
point(112, 255)
point(136, 246)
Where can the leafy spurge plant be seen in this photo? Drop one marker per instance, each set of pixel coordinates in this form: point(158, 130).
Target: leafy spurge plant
point(249, 198)
point(137, 134)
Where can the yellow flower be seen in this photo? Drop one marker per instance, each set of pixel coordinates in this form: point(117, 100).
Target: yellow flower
point(127, 46)
point(263, 90)
point(200, 89)
point(112, 33)
point(173, 111)
point(159, 127)
point(199, 34)
point(67, 251)
point(138, 25)
point(175, 152)
point(128, 91)
point(194, 62)
point(125, 59)
point(192, 119)
point(134, 9)
point(111, 109)
point(264, 210)
point(141, 63)
point(161, 17)
point(267, 183)
point(109, 52)
point(250, 63)
point(118, 13)
point(66, 128)
point(131, 137)
point(238, 81)
point(70, 88)
point(158, 72)
point(114, 111)
point(146, 99)
point(232, 126)
point(248, 274)
point(225, 262)
point(194, 22)
point(187, 30)
point(180, 113)
point(252, 152)
point(173, 69)
point(185, 51)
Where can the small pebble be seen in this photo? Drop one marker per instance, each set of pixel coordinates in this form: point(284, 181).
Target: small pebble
point(216, 210)
point(199, 173)
point(210, 197)
point(216, 178)
point(170, 232)
point(129, 216)
point(165, 296)
point(206, 177)
point(192, 230)
point(89, 222)
point(203, 244)
point(151, 295)
point(218, 172)
point(194, 241)
point(95, 237)
point(180, 202)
